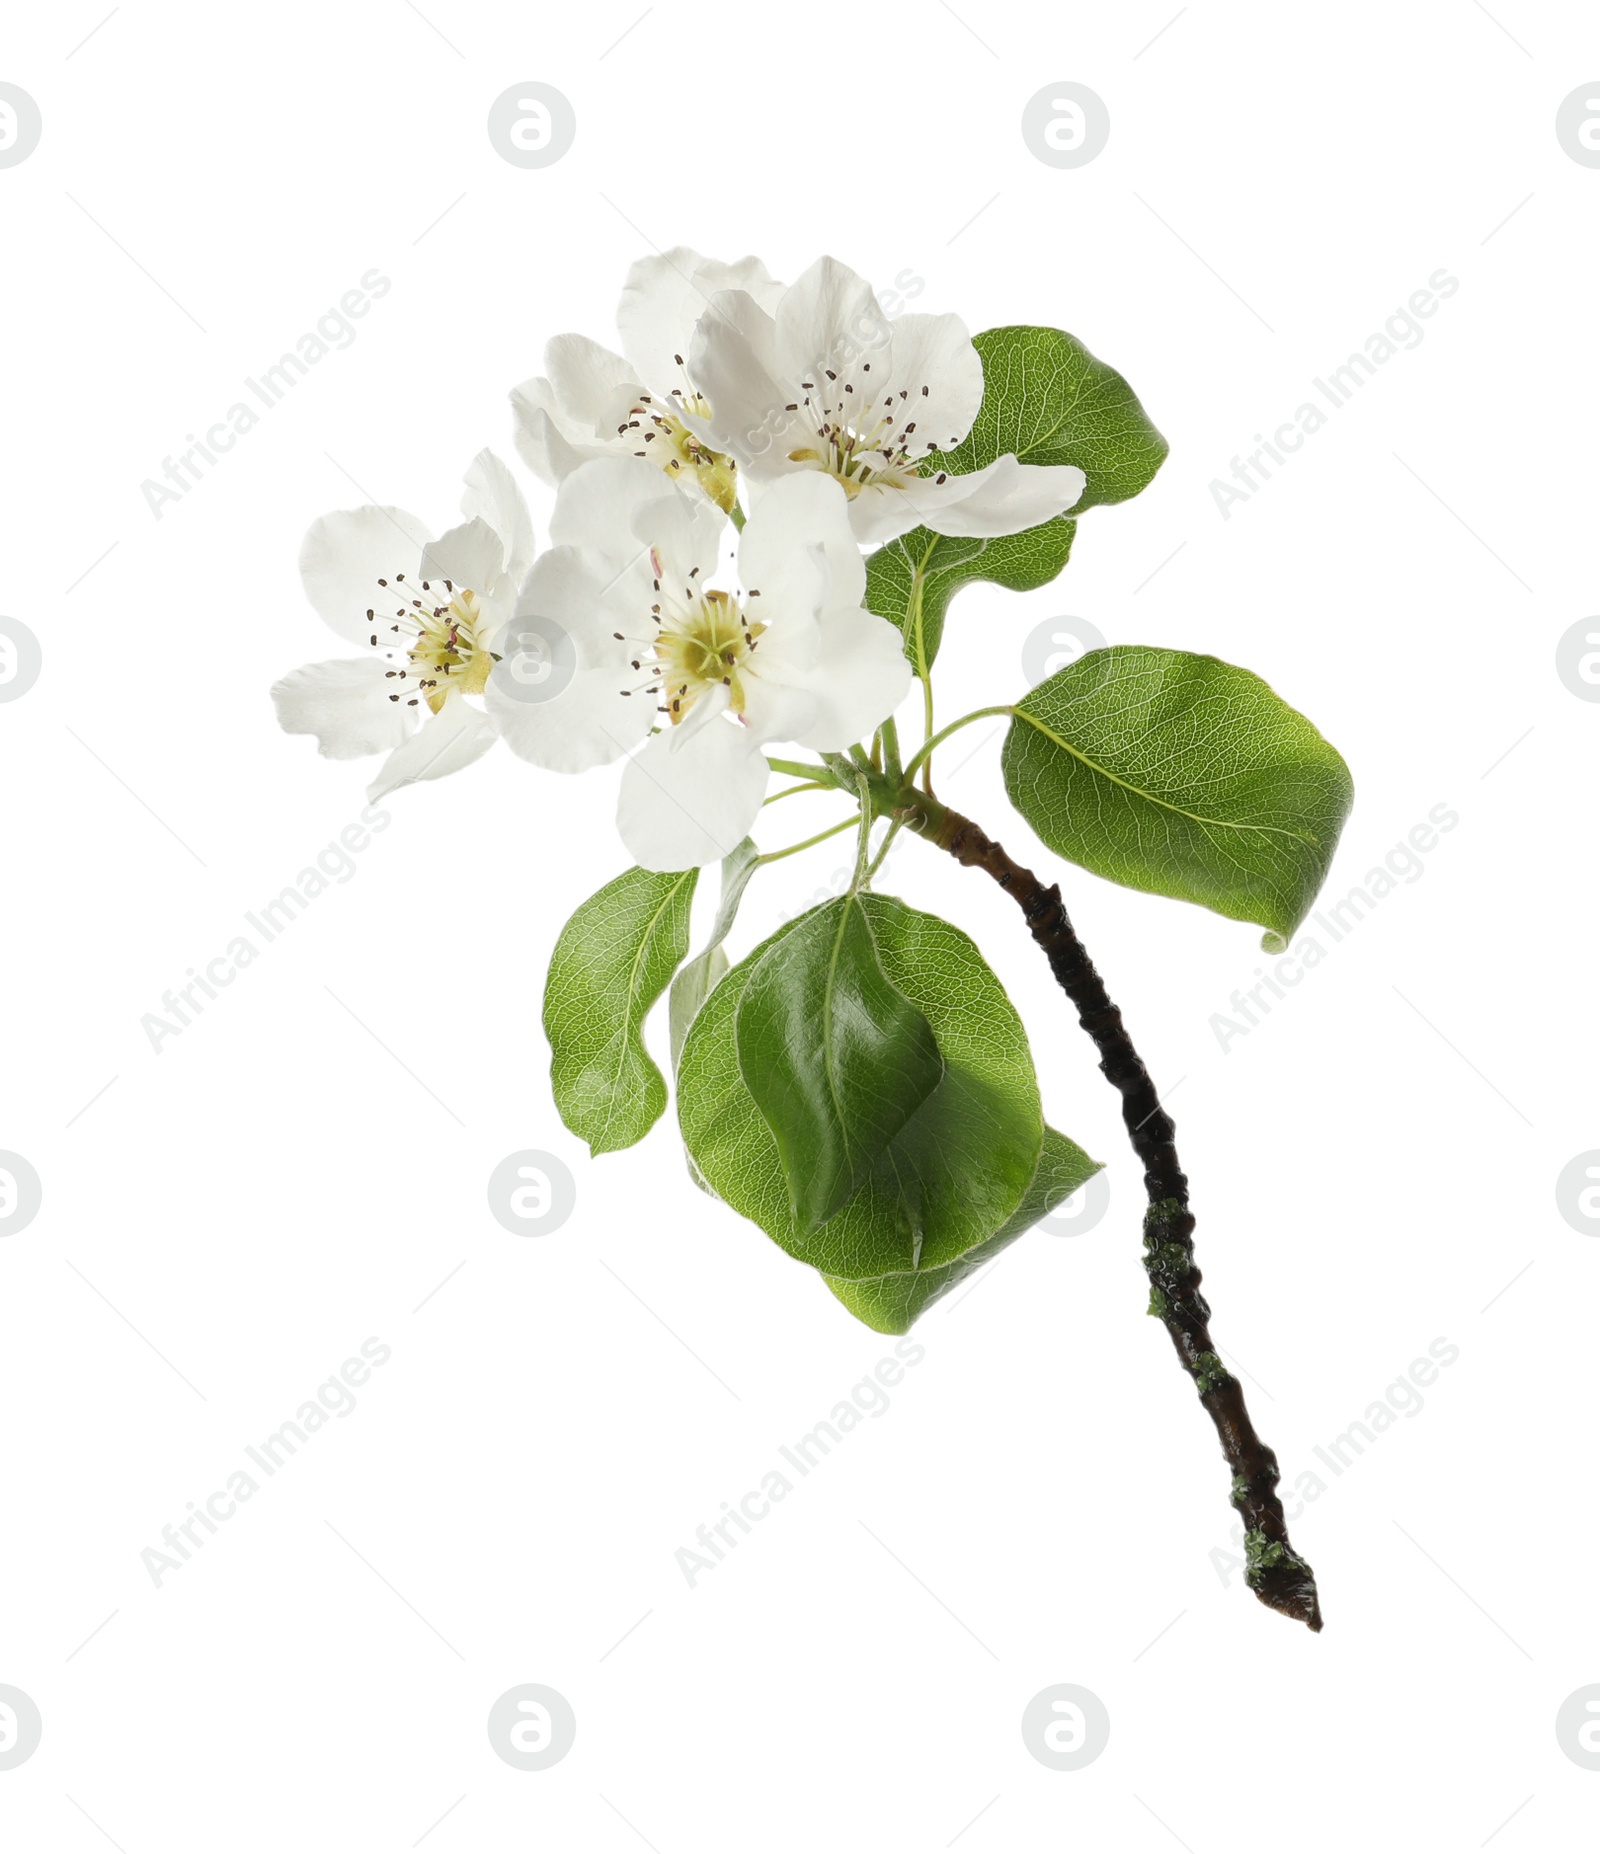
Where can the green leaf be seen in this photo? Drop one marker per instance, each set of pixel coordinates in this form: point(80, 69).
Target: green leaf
point(1047, 400)
point(611, 963)
point(1181, 776)
point(912, 580)
point(698, 978)
point(891, 1303)
point(957, 1169)
point(836, 1057)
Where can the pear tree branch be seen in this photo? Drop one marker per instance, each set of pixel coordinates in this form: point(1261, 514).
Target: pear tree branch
point(1278, 1575)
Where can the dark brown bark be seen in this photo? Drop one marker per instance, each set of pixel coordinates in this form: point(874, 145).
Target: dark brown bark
point(1273, 1569)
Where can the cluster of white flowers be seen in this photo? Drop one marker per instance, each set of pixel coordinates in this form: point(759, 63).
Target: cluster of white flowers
point(667, 623)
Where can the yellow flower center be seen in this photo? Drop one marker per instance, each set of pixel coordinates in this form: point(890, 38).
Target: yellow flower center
point(862, 442)
point(704, 645)
point(667, 441)
point(436, 642)
point(449, 652)
point(856, 459)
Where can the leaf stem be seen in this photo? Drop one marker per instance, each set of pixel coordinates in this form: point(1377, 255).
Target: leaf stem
point(1273, 1569)
point(800, 769)
point(890, 735)
point(925, 751)
point(794, 849)
point(864, 842)
point(895, 827)
point(811, 785)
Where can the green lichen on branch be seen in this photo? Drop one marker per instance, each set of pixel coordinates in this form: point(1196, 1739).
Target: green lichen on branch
point(1264, 1557)
point(1210, 1373)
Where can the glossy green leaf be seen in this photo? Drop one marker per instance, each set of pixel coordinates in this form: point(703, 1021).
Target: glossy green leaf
point(911, 581)
point(612, 961)
point(1047, 400)
point(835, 1055)
point(891, 1303)
point(957, 1169)
point(1182, 776)
point(697, 978)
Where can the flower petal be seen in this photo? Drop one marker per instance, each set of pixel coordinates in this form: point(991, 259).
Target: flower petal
point(345, 554)
point(543, 440)
point(594, 389)
point(685, 804)
point(454, 737)
point(861, 677)
point(493, 494)
point(588, 723)
point(1003, 498)
point(471, 556)
point(617, 508)
point(829, 320)
point(666, 295)
point(580, 409)
point(935, 352)
point(345, 704)
point(557, 693)
point(733, 363)
point(570, 588)
point(780, 710)
point(798, 552)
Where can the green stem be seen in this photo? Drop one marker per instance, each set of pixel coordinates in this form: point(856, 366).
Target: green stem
point(736, 516)
point(925, 751)
point(794, 849)
point(800, 769)
point(864, 841)
point(891, 751)
point(811, 785)
point(895, 827)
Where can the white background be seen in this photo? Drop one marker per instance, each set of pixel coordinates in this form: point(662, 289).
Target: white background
point(1373, 1165)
